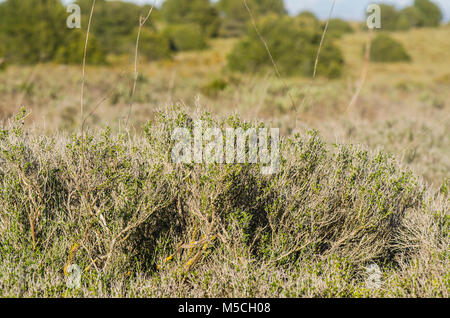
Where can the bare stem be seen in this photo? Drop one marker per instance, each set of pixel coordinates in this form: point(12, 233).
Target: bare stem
point(142, 21)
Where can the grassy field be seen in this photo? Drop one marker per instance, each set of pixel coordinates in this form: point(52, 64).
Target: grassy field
point(370, 187)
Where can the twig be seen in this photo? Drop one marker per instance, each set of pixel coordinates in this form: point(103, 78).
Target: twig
point(142, 21)
point(323, 38)
point(104, 98)
point(363, 74)
point(84, 72)
point(316, 62)
point(266, 46)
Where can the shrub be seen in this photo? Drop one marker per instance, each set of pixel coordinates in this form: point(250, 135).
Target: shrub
point(386, 49)
point(116, 206)
point(214, 87)
point(292, 46)
point(186, 37)
point(154, 45)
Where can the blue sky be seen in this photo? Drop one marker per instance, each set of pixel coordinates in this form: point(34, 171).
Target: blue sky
point(347, 9)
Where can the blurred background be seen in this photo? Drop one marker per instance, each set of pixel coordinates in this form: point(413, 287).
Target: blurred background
point(387, 89)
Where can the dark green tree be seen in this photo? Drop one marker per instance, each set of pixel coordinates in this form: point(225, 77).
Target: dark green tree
point(199, 12)
point(293, 47)
point(338, 27)
point(389, 17)
point(114, 23)
point(409, 17)
point(186, 37)
point(32, 30)
point(72, 52)
point(154, 45)
point(431, 14)
point(235, 15)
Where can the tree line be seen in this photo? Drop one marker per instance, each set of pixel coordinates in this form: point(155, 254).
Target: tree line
point(33, 31)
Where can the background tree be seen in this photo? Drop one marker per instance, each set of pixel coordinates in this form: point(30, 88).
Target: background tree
point(32, 30)
point(338, 27)
point(389, 17)
point(235, 16)
point(431, 14)
point(199, 12)
point(293, 47)
point(114, 23)
point(154, 45)
point(186, 37)
point(409, 17)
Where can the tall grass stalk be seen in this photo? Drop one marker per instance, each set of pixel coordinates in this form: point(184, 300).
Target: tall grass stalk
point(142, 21)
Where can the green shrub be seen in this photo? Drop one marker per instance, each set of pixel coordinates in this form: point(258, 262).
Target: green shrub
point(293, 47)
point(214, 87)
point(386, 49)
point(186, 37)
point(119, 208)
point(154, 45)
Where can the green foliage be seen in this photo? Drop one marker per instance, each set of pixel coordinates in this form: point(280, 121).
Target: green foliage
point(338, 27)
point(326, 214)
point(386, 49)
point(72, 51)
point(423, 13)
point(431, 14)
point(294, 57)
point(236, 17)
point(34, 31)
point(199, 12)
point(31, 30)
point(114, 23)
point(409, 17)
point(2, 59)
point(186, 37)
point(307, 20)
point(389, 17)
point(214, 87)
point(154, 45)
